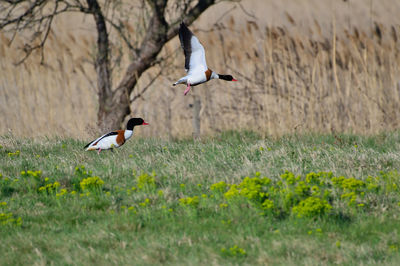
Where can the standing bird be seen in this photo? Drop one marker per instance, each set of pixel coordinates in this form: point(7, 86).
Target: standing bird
point(195, 61)
point(115, 138)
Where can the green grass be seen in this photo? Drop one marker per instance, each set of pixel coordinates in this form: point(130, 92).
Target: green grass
point(156, 205)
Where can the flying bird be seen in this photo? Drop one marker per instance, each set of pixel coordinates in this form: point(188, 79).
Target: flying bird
point(195, 61)
point(116, 138)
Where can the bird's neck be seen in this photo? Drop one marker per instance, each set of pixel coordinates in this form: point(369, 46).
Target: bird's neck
point(128, 133)
point(214, 75)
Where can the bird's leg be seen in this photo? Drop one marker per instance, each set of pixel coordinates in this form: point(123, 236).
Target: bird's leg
point(187, 89)
point(112, 149)
point(99, 151)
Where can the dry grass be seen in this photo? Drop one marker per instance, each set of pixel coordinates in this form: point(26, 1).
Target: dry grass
point(335, 67)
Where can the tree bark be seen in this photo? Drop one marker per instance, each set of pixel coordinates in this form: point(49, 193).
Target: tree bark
point(102, 65)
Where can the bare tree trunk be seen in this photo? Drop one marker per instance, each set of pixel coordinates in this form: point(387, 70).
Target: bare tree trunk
point(196, 117)
point(102, 66)
point(114, 105)
point(158, 33)
point(156, 37)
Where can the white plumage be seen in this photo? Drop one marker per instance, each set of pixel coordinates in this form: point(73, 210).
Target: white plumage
point(195, 61)
point(108, 141)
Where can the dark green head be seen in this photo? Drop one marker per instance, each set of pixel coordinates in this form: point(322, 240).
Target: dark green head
point(135, 122)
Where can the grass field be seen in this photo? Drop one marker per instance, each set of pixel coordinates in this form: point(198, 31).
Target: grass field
point(235, 198)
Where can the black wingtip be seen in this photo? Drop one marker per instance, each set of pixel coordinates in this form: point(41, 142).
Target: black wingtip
point(182, 26)
point(87, 145)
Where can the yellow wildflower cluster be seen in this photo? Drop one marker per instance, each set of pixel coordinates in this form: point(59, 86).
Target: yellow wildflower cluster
point(314, 195)
point(50, 188)
point(29, 173)
point(234, 251)
point(144, 203)
point(62, 192)
point(220, 186)
point(190, 201)
point(251, 188)
point(146, 182)
point(8, 219)
point(91, 183)
point(16, 153)
point(311, 207)
point(391, 181)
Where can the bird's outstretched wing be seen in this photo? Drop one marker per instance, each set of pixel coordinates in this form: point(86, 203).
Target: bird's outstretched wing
point(94, 142)
point(195, 56)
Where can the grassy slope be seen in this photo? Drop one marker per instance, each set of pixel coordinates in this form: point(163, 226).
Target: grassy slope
point(101, 228)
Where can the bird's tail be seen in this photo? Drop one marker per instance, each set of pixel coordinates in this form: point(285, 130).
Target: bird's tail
point(180, 81)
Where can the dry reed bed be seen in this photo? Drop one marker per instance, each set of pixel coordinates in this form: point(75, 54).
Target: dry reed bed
point(57, 97)
point(349, 81)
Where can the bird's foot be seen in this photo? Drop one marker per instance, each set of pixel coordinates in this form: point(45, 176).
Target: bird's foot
point(187, 90)
point(99, 151)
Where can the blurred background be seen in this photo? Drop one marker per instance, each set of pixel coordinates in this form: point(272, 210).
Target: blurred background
point(303, 66)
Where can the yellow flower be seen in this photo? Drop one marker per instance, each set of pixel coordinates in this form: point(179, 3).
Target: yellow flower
point(91, 183)
point(190, 201)
point(234, 251)
point(146, 181)
point(219, 187)
point(62, 192)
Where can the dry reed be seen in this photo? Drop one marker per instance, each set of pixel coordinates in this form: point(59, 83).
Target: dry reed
point(335, 79)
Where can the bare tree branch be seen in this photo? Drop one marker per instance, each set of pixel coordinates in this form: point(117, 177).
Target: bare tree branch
point(123, 36)
point(151, 33)
point(191, 16)
point(137, 96)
